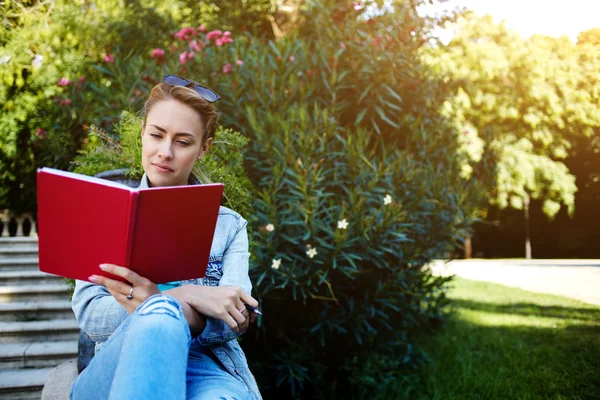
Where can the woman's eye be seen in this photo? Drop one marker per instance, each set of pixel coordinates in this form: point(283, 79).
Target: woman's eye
point(156, 135)
point(183, 143)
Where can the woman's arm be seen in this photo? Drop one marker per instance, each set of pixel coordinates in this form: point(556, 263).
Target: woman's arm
point(229, 297)
point(96, 310)
point(141, 289)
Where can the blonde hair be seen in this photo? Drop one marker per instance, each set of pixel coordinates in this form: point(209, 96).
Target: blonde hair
point(190, 98)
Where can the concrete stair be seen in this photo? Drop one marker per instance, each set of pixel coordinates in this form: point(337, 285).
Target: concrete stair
point(38, 330)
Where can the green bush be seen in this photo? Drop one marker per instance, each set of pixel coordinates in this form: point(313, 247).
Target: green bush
point(338, 261)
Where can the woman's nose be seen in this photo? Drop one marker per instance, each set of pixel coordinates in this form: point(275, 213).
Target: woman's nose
point(165, 151)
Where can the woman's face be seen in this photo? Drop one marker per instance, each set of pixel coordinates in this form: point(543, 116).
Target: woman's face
point(171, 143)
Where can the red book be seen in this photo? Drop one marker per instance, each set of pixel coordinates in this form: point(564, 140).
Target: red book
point(164, 233)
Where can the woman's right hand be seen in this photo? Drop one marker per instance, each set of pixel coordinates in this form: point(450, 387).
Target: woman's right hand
point(227, 303)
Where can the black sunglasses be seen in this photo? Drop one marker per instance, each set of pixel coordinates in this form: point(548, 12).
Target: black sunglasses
point(207, 94)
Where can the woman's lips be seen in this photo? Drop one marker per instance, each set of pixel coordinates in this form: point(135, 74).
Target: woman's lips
point(162, 168)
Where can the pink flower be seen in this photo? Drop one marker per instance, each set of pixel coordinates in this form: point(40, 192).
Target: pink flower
point(213, 35)
point(183, 57)
point(157, 53)
point(196, 45)
point(186, 34)
point(202, 28)
point(41, 133)
point(67, 101)
point(109, 58)
point(137, 92)
point(63, 82)
point(191, 55)
point(81, 79)
point(219, 42)
point(239, 62)
point(342, 46)
point(227, 39)
point(227, 68)
point(291, 58)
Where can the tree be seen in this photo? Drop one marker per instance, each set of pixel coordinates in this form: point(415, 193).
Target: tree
point(525, 112)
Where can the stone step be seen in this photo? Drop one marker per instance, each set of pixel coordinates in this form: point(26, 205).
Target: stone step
point(30, 310)
point(27, 242)
point(53, 291)
point(36, 355)
point(23, 384)
point(38, 331)
point(18, 252)
point(21, 264)
point(10, 278)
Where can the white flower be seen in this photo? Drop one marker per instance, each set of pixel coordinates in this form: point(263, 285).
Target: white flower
point(343, 224)
point(312, 252)
point(270, 227)
point(4, 60)
point(276, 264)
point(37, 61)
point(387, 200)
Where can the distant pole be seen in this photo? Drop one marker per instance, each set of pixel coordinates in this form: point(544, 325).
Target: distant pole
point(527, 238)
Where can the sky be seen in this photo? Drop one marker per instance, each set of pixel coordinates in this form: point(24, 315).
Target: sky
point(549, 17)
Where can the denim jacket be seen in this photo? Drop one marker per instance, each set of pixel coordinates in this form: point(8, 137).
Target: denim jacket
point(99, 314)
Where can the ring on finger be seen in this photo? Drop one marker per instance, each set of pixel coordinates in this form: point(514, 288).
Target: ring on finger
point(130, 295)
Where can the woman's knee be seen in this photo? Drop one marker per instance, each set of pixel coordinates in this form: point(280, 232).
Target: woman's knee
point(161, 304)
point(161, 314)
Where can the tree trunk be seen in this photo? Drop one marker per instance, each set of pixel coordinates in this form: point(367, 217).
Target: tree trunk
point(527, 238)
point(468, 248)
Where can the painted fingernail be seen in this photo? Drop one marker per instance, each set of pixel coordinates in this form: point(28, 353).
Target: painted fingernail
point(103, 266)
point(92, 278)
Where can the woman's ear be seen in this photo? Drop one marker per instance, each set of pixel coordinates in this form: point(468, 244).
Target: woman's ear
point(204, 149)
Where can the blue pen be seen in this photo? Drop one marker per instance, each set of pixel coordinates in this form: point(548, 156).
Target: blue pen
point(254, 310)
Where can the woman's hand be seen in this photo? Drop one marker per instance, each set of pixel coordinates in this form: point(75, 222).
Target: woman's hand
point(227, 303)
point(137, 286)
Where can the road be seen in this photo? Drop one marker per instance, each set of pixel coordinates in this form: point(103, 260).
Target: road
point(577, 279)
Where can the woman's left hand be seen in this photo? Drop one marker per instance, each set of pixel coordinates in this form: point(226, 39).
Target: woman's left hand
point(139, 287)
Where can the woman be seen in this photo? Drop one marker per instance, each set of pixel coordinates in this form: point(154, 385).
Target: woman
point(173, 341)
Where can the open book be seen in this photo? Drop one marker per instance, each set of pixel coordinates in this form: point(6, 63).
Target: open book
point(164, 233)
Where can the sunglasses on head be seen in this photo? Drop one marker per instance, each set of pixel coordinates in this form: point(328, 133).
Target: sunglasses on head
point(206, 93)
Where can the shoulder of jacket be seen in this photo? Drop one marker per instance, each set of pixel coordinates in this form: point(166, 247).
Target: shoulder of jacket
point(228, 212)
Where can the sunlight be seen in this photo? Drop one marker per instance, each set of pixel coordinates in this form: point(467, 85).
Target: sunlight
point(529, 17)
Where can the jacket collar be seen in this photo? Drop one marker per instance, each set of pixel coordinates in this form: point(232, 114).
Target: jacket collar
point(145, 184)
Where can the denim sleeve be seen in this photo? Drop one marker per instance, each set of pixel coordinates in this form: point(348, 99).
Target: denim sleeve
point(235, 273)
point(98, 313)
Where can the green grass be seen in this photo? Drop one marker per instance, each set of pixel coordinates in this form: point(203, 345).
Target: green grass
point(506, 343)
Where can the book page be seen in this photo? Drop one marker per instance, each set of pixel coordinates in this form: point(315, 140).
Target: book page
point(81, 177)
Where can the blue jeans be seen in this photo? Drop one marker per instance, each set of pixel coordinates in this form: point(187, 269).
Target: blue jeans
point(151, 356)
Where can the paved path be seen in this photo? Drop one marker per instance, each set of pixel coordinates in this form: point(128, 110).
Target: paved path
point(577, 279)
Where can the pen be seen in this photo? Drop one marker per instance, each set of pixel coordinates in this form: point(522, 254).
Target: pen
point(254, 310)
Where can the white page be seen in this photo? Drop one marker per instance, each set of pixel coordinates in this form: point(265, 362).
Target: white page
point(81, 177)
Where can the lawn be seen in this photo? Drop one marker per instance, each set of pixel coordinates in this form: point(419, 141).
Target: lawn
point(506, 343)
